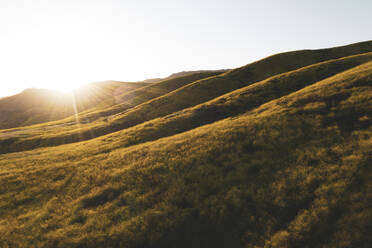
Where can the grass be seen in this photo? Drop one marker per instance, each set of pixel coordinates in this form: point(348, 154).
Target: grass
point(34, 106)
point(133, 98)
point(94, 102)
point(231, 104)
point(283, 162)
point(97, 114)
point(178, 98)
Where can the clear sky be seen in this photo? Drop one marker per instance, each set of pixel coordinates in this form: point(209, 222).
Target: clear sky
point(62, 44)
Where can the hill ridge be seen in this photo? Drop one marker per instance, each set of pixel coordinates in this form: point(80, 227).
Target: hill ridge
point(205, 90)
point(213, 113)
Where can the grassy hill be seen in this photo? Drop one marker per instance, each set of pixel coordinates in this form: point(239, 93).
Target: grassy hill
point(91, 102)
point(282, 160)
point(40, 105)
point(178, 98)
point(130, 99)
point(230, 104)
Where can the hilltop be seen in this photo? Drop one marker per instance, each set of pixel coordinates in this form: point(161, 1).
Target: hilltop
point(276, 153)
point(180, 74)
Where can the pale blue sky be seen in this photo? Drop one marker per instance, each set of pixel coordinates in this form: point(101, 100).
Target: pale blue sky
point(66, 43)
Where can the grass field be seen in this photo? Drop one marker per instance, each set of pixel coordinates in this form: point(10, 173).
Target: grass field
point(277, 153)
point(34, 106)
point(184, 92)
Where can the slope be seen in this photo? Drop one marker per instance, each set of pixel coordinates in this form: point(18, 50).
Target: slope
point(40, 105)
point(294, 172)
point(92, 102)
point(201, 91)
point(209, 88)
point(231, 104)
point(127, 100)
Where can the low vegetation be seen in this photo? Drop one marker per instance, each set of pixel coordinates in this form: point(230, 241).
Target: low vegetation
point(34, 106)
point(230, 104)
point(92, 102)
point(284, 161)
point(129, 99)
point(191, 94)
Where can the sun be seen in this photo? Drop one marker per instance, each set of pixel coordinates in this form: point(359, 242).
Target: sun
point(67, 87)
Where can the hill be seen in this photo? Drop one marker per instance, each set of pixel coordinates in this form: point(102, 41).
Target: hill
point(282, 160)
point(34, 106)
point(130, 99)
point(178, 98)
point(92, 102)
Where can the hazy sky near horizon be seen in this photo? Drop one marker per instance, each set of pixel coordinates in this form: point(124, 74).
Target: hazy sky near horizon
point(61, 44)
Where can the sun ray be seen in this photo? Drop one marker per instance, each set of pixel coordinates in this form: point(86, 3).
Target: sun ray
point(76, 113)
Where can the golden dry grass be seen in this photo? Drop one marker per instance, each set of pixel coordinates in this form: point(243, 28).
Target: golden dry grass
point(284, 162)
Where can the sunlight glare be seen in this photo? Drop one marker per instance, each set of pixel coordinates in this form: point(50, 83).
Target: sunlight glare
point(66, 88)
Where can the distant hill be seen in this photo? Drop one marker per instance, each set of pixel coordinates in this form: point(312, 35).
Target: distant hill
point(33, 106)
point(129, 99)
point(276, 154)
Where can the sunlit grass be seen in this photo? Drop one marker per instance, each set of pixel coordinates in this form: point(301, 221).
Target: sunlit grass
point(230, 104)
point(283, 162)
point(34, 106)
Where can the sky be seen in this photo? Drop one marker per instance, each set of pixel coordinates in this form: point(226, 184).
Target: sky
point(64, 44)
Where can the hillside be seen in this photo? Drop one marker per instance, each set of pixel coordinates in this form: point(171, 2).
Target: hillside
point(230, 104)
point(34, 106)
point(273, 154)
point(130, 99)
point(191, 94)
point(92, 102)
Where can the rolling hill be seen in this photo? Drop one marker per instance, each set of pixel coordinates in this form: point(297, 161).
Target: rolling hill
point(190, 94)
point(276, 153)
point(33, 106)
point(91, 102)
